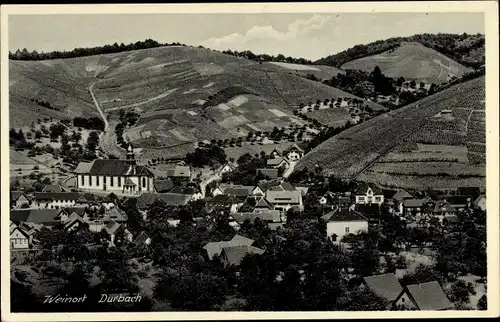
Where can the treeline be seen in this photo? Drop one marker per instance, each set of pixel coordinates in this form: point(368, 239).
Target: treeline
point(91, 123)
point(466, 49)
point(24, 54)
point(265, 57)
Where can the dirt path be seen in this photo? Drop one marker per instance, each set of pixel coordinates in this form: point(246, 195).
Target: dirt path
point(98, 107)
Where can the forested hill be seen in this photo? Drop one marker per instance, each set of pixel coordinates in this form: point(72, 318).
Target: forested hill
point(465, 49)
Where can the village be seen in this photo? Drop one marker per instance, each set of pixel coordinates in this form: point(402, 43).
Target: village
point(106, 190)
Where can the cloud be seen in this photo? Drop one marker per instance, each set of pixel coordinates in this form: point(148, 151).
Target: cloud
point(296, 29)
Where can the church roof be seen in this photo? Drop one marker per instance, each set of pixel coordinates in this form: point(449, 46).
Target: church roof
point(112, 167)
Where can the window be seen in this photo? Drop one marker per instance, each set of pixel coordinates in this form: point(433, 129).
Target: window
point(347, 229)
point(402, 300)
point(83, 180)
point(144, 182)
point(90, 180)
point(362, 198)
point(104, 180)
point(97, 180)
point(377, 198)
point(119, 181)
point(111, 183)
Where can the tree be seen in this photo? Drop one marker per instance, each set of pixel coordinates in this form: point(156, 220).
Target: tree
point(92, 141)
point(459, 292)
point(482, 304)
point(362, 299)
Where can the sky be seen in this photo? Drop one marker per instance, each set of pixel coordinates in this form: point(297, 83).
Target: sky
point(311, 36)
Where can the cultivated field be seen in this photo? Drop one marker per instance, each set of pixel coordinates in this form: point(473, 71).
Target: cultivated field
point(385, 149)
point(412, 61)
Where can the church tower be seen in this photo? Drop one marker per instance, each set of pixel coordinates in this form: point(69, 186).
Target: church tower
point(130, 155)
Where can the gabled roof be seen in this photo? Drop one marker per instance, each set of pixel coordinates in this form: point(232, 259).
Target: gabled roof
point(14, 195)
point(163, 185)
point(184, 190)
point(43, 196)
point(262, 202)
point(38, 216)
point(270, 173)
point(287, 186)
point(115, 214)
point(278, 151)
point(414, 203)
point(68, 211)
point(72, 219)
point(479, 199)
point(385, 285)
point(141, 239)
point(239, 191)
point(294, 146)
point(443, 206)
point(83, 167)
point(215, 248)
point(265, 185)
point(224, 199)
point(276, 161)
point(53, 188)
point(179, 171)
point(401, 195)
point(429, 296)
point(112, 167)
point(234, 255)
point(458, 200)
point(129, 182)
point(292, 197)
point(363, 188)
point(343, 214)
point(170, 199)
point(265, 215)
point(22, 231)
point(112, 227)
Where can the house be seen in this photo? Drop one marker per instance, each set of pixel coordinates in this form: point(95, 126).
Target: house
point(223, 202)
point(294, 153)
point(459, 203)
point(82, 202)
point(414, 207)
point(53, 188)
point(239, 191)
point(256, 202)
point(267, 173)
point(386, 286)
point(65, 213)
point(46, 217)
point(344, 221)
point(54, 200)
point(480, 202)
point(424, 297)
point(227, 168)
point(276, 153)
point(215, 248)
point(266, 215)
point(284, 200)
point(179, 173)
point(277, 163)
point(115, 214)
point(443, 209)
point(109, 202)
point(170, 199)
point(232, 256)
point(74, 221)
point(119, 176)
point(114, 229)
point(18, 199)
point(233, 251)
point(302, 188)
point(19, 238)
point(142, 239)
point(163, 186)
point(367, 194)
point(265, 185)
point(192, 192)
point(399, 198)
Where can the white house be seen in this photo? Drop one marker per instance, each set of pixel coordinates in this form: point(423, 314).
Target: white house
point(277, 163)
point(480, 202)
point(369, 195)
point(54, 200)
point(344, 221)
point(118, 176)
point(226, 168)
point(19, 239)
point(19, 199)
point(294, 153)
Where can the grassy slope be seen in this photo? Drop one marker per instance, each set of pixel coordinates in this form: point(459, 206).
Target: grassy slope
point(155, 82)
point(354, 150)
point(412, 61)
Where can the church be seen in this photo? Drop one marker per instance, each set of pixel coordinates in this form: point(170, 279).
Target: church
point(112, 175)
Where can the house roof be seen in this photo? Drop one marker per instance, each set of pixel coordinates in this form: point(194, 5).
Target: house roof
point(294, 146)
point(363, 188)
point(179, 171)
point(83, 167)
point(38, 216)
point(184, 190)
point(112, 227)
point(170, 199)
point(215, 248)
point(270, 173)
point(78, 210)
point(42, 196)
point(443, 206)
point(401, 195)
point(53, 188)
point(224, 199)
point(287, 186)
point(163, 185)
point(73, 218)
point(234, 255)
point(239, 191)
point(385, 285)
point(265, 215)
point(292, 197)
point(265, 185)
point(141, 239)
point(343, 214)
point(479, 199)
point(14, 195)
point(262, 202)
point(115, 214)
point(429, 296)
point(458, 200)
point(278, 151)
point(414, 203)
point(22, 231)
point(276, 161)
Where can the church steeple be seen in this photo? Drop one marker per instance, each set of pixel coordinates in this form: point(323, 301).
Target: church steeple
point(130, 154)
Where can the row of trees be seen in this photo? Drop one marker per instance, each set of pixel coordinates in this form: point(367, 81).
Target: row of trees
point(91, 123)
point(265, 57)
point(24, 54)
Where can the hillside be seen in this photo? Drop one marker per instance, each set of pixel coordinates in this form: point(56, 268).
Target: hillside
point(416, 146)
point(465, 49)
point(169, 87)
point(412, 61)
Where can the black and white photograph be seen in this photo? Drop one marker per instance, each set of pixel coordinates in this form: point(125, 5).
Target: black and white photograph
point(260, 161)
